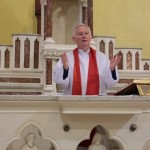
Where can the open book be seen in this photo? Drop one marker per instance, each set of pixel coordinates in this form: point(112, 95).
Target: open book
point(137, 87)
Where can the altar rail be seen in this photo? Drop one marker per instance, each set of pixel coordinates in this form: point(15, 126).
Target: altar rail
point(26, 66)
point(67, 122)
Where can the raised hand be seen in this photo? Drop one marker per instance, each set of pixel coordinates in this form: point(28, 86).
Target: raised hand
point(114, 62)
point(65, 60)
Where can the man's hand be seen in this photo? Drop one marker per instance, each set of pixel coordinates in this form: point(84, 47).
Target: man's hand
point(65, 60)
point(114, 62)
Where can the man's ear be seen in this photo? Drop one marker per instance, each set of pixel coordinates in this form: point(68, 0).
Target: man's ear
point(74, 39)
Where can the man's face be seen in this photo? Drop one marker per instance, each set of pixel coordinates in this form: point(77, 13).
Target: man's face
point(82, 37)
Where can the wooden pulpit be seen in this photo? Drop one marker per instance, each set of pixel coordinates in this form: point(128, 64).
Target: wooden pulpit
point(137, 87)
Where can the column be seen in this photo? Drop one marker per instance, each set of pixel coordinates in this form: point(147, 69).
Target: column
point(43, 3)
point(48, 48)
point(90, 14)
point(49, 18)
point(84, 11)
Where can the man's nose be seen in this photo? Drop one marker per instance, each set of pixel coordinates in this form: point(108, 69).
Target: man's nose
point(84, 35)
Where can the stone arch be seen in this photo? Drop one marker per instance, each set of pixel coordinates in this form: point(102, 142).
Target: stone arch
point(146, 145)
point(109, 144)
point(122, 144)
point(40, 141)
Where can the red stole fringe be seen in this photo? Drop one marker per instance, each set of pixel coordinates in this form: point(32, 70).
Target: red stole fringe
point(93, 76)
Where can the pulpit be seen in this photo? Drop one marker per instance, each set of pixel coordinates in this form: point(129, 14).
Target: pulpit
point(75, 122)
point(137, 87)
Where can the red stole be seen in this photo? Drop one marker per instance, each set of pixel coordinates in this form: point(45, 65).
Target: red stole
point(93, 76)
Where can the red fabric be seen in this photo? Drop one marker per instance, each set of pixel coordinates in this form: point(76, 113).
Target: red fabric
point(93, 77)
point(76, 87)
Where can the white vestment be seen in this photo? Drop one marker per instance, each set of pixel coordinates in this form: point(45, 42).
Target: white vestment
point(105, 75)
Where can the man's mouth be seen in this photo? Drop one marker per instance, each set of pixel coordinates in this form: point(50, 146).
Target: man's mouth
point(84, 40)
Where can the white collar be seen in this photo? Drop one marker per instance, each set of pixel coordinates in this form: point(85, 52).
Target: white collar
point(83, 52)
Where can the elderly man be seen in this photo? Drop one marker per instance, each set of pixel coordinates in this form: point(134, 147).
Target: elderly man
point(85, 71)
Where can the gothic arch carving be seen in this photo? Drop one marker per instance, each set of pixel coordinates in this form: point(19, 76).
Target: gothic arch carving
point(31, 135)
point(147, 144)
point(101, 134)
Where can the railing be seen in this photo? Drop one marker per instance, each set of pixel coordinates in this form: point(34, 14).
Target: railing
point(27, 66)
point(21, 64)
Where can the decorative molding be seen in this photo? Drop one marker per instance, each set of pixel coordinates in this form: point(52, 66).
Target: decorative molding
point(44, 2)
point(84, 3)
point(119, 105)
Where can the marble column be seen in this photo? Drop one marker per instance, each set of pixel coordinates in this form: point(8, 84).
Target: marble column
point(46, 18)
point(43, 18)
point(90, 14)
point(49, 18)
point(87, 13)
point(48, 47)
point(84, 11)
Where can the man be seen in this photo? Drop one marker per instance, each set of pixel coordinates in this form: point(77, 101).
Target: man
point(85, 71)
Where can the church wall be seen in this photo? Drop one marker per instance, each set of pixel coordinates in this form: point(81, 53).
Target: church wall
point(17, 16)
point(65, 17)
point(127, 20)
